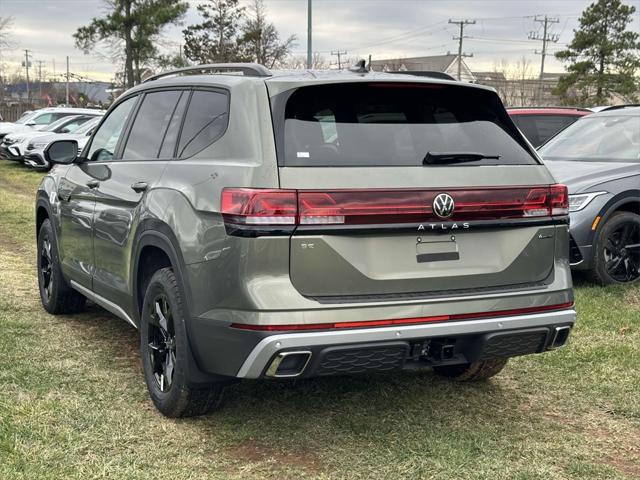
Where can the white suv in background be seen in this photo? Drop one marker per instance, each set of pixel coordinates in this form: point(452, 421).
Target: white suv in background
point(39, 119)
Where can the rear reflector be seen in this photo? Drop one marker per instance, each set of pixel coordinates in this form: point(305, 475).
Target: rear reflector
point(404, 321)
point(263, 207)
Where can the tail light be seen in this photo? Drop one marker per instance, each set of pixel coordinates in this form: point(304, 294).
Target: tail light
point(559, 200)
point(248, 206)
point(264, 207)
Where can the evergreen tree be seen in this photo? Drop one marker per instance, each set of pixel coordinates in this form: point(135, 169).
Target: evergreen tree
point(603, 55)
point(132, 26)
point(217, 38)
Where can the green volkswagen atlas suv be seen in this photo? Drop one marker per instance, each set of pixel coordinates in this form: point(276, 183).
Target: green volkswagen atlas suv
point(291, 224)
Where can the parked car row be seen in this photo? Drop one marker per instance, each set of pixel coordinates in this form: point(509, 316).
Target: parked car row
point(25, 139)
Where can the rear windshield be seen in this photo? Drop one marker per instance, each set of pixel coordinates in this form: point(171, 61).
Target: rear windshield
point(540, 128)
point(394, 124)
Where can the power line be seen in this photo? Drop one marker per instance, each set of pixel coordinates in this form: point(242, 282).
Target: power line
point(461, 24)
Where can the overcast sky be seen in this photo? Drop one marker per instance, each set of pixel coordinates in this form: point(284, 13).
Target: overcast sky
point(382, 28)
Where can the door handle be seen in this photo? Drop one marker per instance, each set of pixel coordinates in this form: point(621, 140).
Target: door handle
point(93, 184)
point(139, 187)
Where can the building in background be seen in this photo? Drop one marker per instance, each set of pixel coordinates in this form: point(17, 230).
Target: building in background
point(437, 63)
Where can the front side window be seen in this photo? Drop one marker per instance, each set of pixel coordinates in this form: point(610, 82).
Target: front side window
point(396, 124)
point(106, 138)
point(150, 126)
point(206, 120)
point(597, 139)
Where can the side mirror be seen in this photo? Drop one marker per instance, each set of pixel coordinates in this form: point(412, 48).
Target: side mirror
point(65, 130)
point(30, 124)
point(63, 152)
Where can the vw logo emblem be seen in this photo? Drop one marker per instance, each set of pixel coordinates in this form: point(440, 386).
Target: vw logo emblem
point(443, 205)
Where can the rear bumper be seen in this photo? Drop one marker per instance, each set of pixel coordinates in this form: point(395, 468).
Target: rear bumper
point(389, 348)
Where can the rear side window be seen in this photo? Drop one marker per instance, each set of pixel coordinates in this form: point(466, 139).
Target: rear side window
point(150, 125)
point(393, 124)
point(540, 128)
point(205, 122)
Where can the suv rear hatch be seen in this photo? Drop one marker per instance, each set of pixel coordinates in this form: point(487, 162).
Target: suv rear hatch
point(393, 195)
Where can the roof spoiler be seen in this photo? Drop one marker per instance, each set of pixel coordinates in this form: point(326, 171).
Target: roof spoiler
point(425, 73)
point(619, 107)
point(247, 69)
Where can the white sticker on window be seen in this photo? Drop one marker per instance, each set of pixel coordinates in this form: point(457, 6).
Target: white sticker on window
point(302, 154)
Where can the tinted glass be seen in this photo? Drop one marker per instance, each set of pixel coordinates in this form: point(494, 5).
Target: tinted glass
point(205, 122)
point(597, 139)
point(387, 124)
point(106, 138)
point(150, 125)
point(540, 128)
point(171, 136)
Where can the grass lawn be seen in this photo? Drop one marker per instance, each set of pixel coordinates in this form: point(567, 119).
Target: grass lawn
point(73, 403)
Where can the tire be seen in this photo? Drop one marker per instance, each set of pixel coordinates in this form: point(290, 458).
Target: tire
point(165, 351)
point(56, 295)
point(472, 372)
point(613, 262)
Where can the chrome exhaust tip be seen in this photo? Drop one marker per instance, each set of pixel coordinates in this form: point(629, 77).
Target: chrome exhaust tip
point(289, 364)
point(560, 337)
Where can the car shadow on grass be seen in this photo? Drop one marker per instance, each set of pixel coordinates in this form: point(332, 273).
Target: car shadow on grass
point(263, 410)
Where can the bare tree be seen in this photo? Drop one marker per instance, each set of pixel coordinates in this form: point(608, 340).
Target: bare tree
point(5, 31)
point(519, 86)
point(299, 62)
point(260, 39)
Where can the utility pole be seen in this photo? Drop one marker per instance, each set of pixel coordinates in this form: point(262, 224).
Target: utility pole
point(67, 98)
point(26, 64)
point(461, 55)
point(40, 62)
point(545, 38)
point(338, 53)
point(309, 49)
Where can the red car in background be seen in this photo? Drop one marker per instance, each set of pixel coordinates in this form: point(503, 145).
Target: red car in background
point(539, 124)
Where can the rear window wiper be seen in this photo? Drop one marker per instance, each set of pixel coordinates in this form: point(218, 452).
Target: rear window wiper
point(435, 158)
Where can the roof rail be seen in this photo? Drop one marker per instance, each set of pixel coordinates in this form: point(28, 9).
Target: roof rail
point(247, 69)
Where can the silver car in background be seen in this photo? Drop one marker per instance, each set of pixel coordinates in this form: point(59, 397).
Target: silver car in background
point(14, 146)
point(598, 158)
point(39, 119)
point(34, 156)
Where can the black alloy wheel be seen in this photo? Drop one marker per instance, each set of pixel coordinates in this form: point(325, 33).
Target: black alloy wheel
point(56, 294)
point(46, 269)
point(175, 386)
point(621, 252)
point(617, 250)
point(162, 342)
